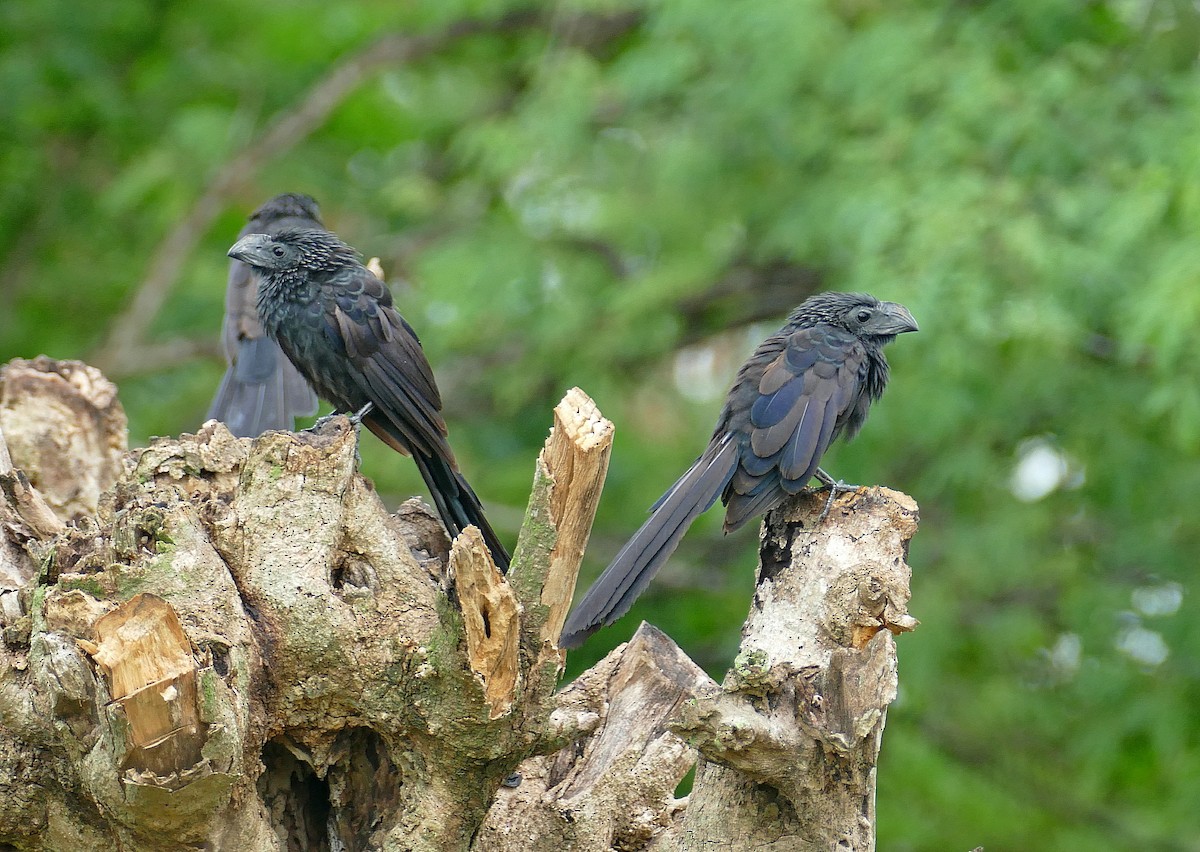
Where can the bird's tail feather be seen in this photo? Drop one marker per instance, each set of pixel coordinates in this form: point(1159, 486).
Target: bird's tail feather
point(458, 505)
point(262, 391)
point(635, 565)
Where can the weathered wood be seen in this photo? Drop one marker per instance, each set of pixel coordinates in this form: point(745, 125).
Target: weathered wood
point(576, 457)
point(334, 687)
point(359, 682)
point(147, 660)
point(19, 493)
point(492, 618)
point(5, 459)
point(65, 428)
point(790, 740)
point(614, 788)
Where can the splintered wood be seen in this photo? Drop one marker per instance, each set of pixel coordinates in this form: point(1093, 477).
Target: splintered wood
point(148, 662)
point(25, 520)
point(492, 618)
point(613, 788)
point(28, 503)
point(576, 457)
point(653, 679)
point(573, 462)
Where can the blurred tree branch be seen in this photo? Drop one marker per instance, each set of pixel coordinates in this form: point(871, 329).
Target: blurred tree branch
point(748, 291)
point(124, 350)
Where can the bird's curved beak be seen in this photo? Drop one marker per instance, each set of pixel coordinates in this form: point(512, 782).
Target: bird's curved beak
point(894, 319)
point(251, 249)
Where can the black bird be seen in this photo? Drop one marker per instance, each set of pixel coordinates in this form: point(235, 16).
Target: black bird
point(261, 390)
point(805, 385)
point(335, 321)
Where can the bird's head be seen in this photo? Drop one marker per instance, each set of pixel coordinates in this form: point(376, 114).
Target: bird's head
point(858, 313)
point(293, 204)
point(293, 248)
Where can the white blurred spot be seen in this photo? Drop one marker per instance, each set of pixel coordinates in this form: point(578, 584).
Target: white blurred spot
point(441, 313)
point(696, 375)
point(552, 279)
point(1143, 646)
point(547, 202)
point(1041, 469)
point(1158, 600)
point(1066, 655)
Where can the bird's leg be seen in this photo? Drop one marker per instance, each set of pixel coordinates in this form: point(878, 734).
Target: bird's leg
point(836, 487)
point(357, 417)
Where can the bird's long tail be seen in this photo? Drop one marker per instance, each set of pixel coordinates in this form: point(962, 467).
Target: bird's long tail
point(457, 504)
point(634, 567)
point(262, 391)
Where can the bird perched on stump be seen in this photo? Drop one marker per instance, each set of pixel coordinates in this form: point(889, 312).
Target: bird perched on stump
point(335, 321)
point(261, 390)
point(805, 385)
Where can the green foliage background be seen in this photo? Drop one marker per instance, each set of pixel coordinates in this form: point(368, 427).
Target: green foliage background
point(630, 208)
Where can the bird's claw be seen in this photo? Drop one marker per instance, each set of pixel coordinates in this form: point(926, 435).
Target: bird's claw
point(321, 422)
point(836, 487)
point(357, 417)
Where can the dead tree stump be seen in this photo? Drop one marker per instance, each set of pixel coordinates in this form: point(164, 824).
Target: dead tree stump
point(230, 644)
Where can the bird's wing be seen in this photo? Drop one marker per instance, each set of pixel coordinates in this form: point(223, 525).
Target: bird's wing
point(388, 361)
point(802, 394)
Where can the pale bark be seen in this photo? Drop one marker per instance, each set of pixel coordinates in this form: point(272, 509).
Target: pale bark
point(238, 648)
point(65, 428)
point(789, 742)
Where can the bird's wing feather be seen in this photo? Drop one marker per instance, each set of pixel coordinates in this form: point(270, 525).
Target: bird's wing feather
point(387, 358)
point(421, 427)
point(792, 420)
point(802, 394)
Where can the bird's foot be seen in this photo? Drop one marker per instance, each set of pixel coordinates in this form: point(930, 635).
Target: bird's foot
point(836, 487)
point(357, 417)
point(323, 421)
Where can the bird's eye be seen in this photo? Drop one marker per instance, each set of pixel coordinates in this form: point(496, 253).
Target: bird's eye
point(863, 315)
point(277, 251)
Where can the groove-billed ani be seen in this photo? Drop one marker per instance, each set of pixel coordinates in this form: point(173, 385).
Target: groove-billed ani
point(335, 321)
point(261, 390)
point(811, 381)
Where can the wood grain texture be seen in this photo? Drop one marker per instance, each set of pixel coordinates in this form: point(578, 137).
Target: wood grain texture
point(576, 456)
point(492, 618)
